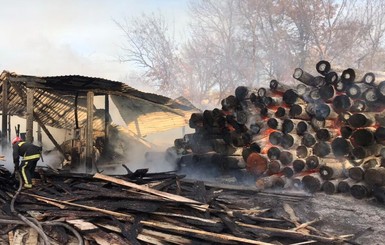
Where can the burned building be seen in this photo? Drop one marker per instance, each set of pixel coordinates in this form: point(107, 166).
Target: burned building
point(67, 102)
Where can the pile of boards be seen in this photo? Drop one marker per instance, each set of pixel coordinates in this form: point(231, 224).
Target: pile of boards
point(145, 208)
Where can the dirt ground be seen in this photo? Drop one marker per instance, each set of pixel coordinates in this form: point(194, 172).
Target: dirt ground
point(342, 214)
point(339, 215)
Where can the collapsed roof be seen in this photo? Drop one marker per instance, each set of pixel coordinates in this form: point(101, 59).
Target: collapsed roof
point(60, 102)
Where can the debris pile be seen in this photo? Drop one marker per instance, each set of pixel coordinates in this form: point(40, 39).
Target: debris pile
point(144, 208)
point(324, 132)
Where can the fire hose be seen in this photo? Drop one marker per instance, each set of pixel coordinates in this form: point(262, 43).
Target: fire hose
point(36, 226)
point(34, 223)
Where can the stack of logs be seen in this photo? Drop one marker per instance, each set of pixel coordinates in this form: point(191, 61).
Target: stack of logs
point(323, 132)
point(144, 208)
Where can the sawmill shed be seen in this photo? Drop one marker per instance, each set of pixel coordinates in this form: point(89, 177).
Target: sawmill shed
point(67, 102)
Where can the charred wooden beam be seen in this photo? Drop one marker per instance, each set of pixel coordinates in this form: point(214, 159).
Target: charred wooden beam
point(256, 163)
point(356, 173)
point(330, 186)
point(360, 190)
point(322, 149)
point(312, 182)
point(303, 77)
point(375, 176)
point(286, 157)
point(323, 67)
point(334, 169)
point(299, 165)
point(4, 114)
point(274, 167)
point(345, 184)
point(270, 182)
point(273, 153)
point(303, 151)
point(363, 137)
point(341, 147)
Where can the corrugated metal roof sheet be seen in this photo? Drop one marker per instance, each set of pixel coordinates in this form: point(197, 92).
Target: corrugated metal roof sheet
point(54, 99)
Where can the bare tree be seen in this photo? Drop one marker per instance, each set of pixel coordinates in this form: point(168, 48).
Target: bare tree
point(247, 42)
point(150, 45)
point(214, 27)
point(373, 50)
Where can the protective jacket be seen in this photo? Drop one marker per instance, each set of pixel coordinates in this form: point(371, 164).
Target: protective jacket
point(28, 151)
point(31, 155)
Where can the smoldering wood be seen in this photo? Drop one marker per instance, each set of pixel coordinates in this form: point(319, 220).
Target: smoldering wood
point(330, 186)
point(288, 171)
point(375, 176)
point(357, 173)
point(360, 190)
point(281, 112)
point(327, 93)
point(274, 167)
point(273, 153)
point(273, 181)
point(286, 157)
point(312, 182)
point(363, 136)
point(312, 162)
point(359, 120)
point(303, 151)
point(299, 112)
point(341, 147)
point(304, 77)
point(323, 67)
point(341, 103)
point(359, 106)
point(334, 169)
point(278, 87)
point(299, 165)
point(308, 140)
point(322, 149)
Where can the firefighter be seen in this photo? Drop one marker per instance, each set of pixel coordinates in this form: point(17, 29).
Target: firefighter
point(31, 155)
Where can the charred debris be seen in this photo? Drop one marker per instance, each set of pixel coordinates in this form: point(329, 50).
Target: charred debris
point(148, 208)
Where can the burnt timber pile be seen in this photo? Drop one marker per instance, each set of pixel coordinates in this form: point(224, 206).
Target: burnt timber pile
point(145, 208)
point(325, 132)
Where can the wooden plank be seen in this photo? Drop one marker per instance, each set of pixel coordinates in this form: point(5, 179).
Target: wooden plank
point(29, 121)
point(152, 191)
point(289, 233)
point(164, 237)
point(214, 225)
point(82, 224)
point(89, 132)
point(215, 237)
point(109, 212)
point(4, 115)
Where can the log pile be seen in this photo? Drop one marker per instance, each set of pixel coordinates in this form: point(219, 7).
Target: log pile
point(142, 208)
point(324, 132)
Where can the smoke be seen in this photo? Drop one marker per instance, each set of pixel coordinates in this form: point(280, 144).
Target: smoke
point(53, 159)
point(8, 162)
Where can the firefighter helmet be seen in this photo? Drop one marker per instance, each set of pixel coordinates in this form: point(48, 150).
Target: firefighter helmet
point(16, 140)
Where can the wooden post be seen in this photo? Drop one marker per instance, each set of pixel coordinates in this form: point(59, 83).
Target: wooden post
point(39, 135)
point(106, 118)
point(29, 135)
point(89, 133)
point(4, 115)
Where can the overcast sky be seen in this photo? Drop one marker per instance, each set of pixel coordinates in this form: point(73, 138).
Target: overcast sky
point(72, 37)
